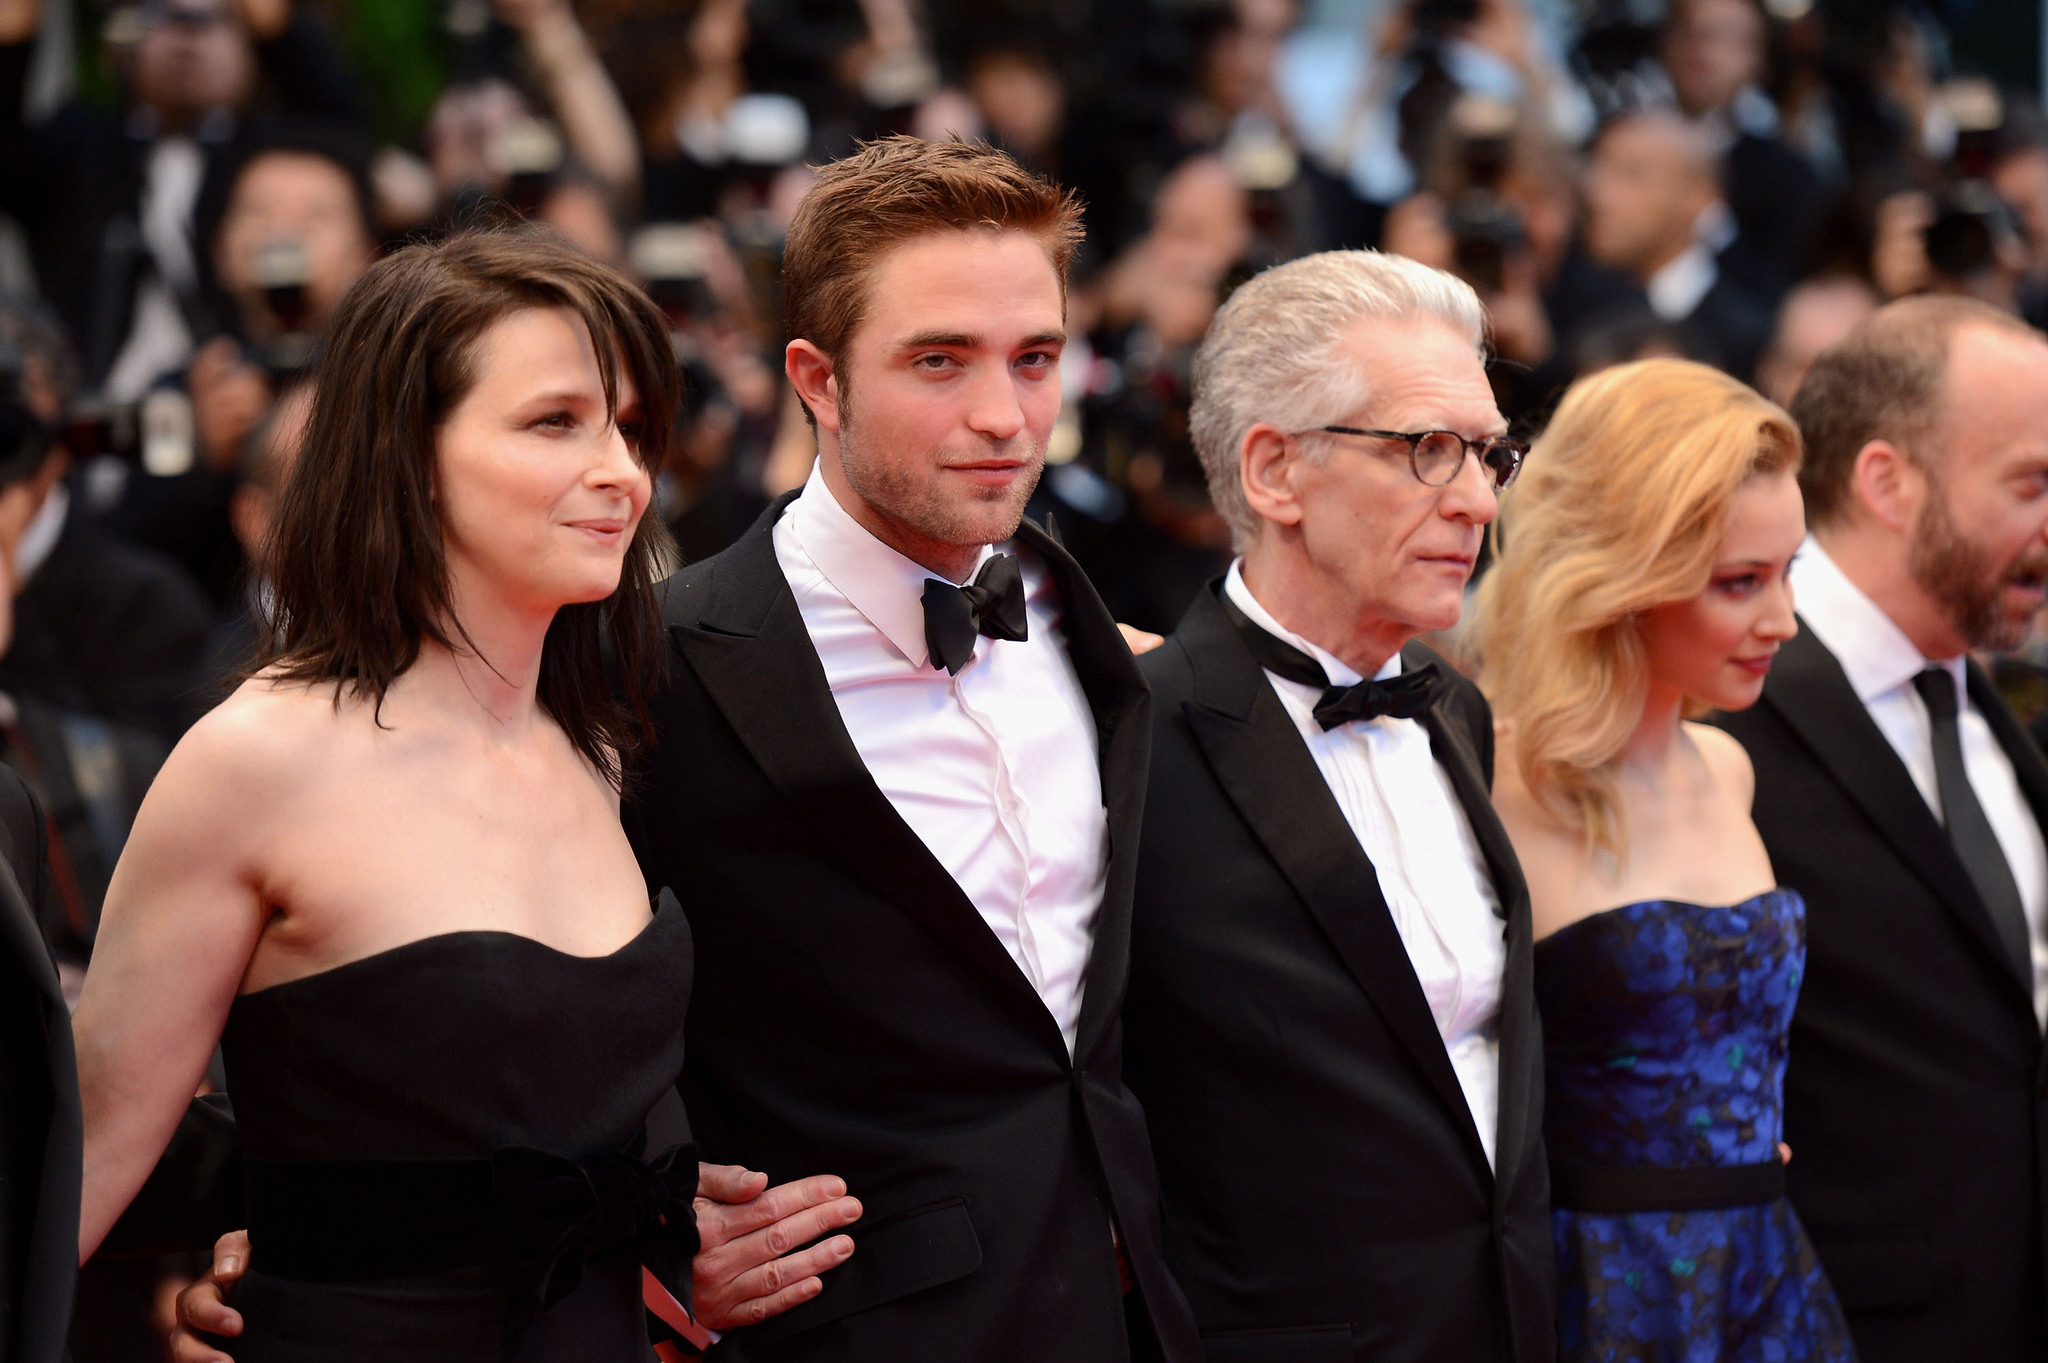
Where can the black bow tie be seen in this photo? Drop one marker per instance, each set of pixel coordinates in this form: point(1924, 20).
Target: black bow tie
point(1404, 696)
point(992, 604)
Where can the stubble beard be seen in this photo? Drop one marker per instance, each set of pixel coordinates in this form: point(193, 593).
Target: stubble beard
point(912, 497)
point(1964, 581)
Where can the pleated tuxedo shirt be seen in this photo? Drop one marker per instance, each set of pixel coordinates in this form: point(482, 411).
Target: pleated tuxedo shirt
point(1407, 818)
point(995, 770)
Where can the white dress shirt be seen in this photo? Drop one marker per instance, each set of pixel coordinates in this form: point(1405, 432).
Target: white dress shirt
point(1880, 663)
point(158, 339)
point(994, 769)
point(1403, 810)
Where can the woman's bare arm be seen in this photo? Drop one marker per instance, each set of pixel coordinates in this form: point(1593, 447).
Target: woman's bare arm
point(183, 914)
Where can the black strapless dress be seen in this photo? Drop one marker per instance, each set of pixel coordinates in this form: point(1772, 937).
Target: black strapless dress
point(443, 1145)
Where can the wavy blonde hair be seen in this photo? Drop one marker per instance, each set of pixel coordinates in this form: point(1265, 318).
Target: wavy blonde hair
point(1621, 508)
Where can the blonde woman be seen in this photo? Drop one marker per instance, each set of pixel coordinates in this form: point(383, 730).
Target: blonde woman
point(1642, 582)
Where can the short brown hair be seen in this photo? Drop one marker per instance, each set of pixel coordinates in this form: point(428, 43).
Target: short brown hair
point(1883, 381)
point(890, 191)
point(359, 572)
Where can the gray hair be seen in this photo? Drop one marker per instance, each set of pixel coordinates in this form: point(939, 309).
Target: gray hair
point(1275, 354)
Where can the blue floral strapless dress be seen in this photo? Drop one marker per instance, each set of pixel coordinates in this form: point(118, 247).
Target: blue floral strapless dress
point(1665, 1039)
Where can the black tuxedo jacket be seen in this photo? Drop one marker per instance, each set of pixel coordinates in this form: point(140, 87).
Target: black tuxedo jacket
point(41, 1132)
point(1914, 1099)
point(854, 1015)
point(1327, 1197)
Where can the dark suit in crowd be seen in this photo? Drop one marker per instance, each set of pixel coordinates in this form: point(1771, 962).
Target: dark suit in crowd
point(855, 1015)
point(1916, 1100)
point(40, 1129)
point(1778, 204)
point(1326, 1194)
point(108, 628)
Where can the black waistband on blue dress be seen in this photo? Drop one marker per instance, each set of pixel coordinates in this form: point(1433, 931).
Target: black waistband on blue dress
point(1652, 1189)
point(536, 1217)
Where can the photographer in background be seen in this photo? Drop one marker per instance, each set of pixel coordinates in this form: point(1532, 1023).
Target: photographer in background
point(1654, 214)
point(269, 454)
point(1715, 52)
point(1977, 224)
point(1371, 107)
point(106, 632)
point(113, 202)
point(1134, 504)
point(523, 114)
point(711, 489)
point(294, 236)
point(1501, 213)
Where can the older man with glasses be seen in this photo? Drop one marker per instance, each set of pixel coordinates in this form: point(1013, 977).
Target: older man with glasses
point(1330, 1018)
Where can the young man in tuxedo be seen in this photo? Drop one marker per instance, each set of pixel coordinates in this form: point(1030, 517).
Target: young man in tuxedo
point(1898, 794)
point(1331, 1019)
point(898, 781)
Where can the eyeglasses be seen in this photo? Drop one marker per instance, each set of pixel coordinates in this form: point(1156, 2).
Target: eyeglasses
point(1436, 456)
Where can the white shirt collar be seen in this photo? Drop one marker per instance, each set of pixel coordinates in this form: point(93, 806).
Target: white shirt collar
point(1676, 290)
point(40, 539)
point(882, 584)
point(1339, 672)
point(1875, 654)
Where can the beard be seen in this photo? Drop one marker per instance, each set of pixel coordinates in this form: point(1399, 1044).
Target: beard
point(913, 493)
point(1964, 581)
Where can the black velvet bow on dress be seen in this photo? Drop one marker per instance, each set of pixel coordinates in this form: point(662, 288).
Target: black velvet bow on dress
point(553, 1214)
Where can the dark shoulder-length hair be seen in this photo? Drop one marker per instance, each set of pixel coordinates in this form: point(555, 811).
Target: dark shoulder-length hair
point(357, 564)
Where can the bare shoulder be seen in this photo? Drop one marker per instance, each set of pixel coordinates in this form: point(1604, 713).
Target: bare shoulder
point(256, 744)
point(1726, 759)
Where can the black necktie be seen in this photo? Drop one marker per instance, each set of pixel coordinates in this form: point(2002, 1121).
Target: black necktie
point(992, 604)
point(1404, 696)
point(1968, 829)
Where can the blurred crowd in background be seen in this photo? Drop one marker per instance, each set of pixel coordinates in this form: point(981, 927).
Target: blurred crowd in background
point(188, 186)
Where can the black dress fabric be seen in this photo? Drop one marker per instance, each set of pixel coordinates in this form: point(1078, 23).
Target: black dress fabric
point(454, 1048)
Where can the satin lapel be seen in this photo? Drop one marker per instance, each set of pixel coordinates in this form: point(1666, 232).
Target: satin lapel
point(1118, 697)
point(1451, 743)
point(1267, 771)
point(1807, 688)
point(754, 657)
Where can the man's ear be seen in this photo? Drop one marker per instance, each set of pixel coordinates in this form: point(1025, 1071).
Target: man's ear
point(1887, 485)
point(810, 374)
point(1265, 471)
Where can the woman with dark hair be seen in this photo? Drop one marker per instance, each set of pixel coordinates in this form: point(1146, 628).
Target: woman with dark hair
point(387, 873)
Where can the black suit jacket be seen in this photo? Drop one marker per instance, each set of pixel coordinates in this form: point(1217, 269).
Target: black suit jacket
point(853, 1013)
point(1326, 1194)
point(1914, 1099)
point(108, 628)
point(1779, 206)
point(41, 1133)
